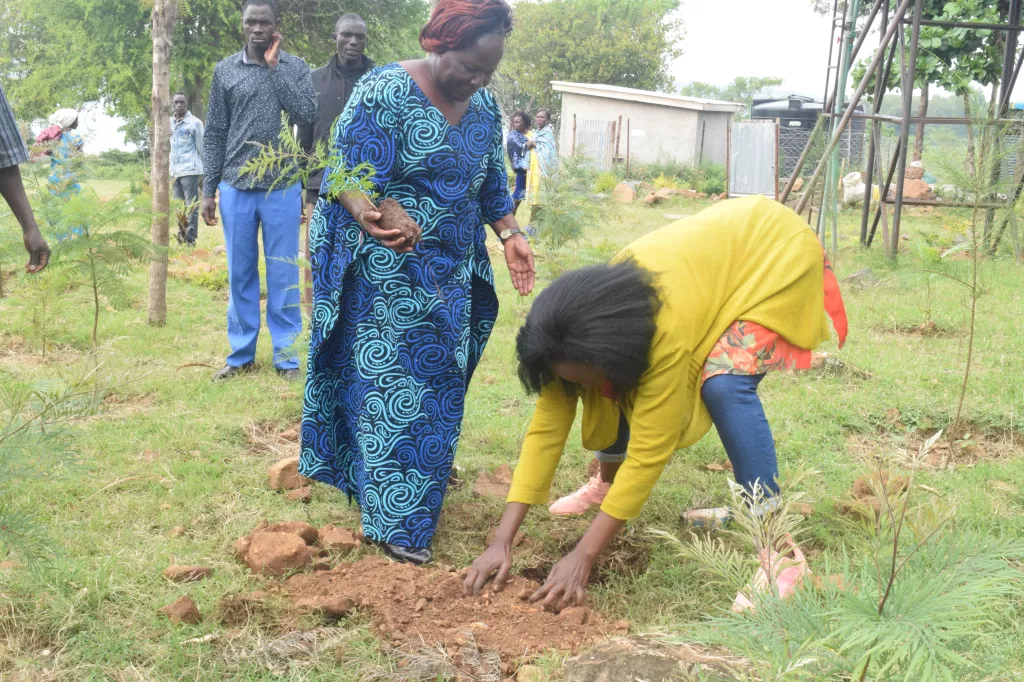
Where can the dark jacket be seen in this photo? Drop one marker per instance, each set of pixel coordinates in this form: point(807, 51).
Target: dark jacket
point(333, 85)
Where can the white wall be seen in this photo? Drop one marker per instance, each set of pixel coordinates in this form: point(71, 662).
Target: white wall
point(658, 132)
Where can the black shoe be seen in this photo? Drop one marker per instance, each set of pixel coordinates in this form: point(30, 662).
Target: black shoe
point(289, 374)
point(406, 555)
point(230, 372)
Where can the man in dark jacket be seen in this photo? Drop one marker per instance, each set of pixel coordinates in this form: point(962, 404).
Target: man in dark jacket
point(333, 84)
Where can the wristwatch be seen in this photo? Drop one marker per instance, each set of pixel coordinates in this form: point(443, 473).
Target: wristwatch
point(505, 235)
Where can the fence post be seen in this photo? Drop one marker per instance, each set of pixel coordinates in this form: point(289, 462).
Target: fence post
point(778, 123)
point(628, 136)
point(611, 146)
point(574, 134)
point(618, 138)
point(728, 157)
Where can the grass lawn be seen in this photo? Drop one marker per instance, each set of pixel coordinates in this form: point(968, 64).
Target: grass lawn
point(174, 470)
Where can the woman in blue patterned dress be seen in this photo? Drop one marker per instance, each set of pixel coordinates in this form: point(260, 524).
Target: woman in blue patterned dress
point(397, 331)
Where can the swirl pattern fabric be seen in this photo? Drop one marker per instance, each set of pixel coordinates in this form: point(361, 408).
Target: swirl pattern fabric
point(395, 337)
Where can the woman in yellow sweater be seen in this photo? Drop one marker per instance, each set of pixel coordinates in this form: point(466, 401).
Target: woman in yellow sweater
point(671, 337)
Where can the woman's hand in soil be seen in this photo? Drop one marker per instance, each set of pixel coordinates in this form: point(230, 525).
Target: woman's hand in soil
point(392, 239)
point(519, 257)
point(566, 583)
point(497, 557)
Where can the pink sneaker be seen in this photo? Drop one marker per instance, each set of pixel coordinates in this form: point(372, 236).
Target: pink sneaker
point(593, 492)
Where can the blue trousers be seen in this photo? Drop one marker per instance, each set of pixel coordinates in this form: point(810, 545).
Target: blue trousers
point(741, 423)
point(278, 212)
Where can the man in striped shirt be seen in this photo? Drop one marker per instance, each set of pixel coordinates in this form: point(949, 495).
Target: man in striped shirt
point(12, 154)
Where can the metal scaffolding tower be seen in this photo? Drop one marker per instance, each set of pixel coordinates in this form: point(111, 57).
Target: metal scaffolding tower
point(894, 45)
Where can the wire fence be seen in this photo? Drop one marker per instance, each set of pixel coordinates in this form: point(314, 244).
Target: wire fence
point(852, 148)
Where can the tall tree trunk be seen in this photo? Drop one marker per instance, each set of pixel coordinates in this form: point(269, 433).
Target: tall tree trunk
point(972, 156)
point(163, 18)
point(922, 111)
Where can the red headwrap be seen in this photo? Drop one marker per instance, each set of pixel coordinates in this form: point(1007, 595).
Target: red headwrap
point(456, 24)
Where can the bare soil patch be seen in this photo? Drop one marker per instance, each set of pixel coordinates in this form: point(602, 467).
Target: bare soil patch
point(925, 330)
point(425, 606)
point(976, 444)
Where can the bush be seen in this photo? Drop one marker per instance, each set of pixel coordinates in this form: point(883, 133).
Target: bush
point(666, 182)
point(606, 182)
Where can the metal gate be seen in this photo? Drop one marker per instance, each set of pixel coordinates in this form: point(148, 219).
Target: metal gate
point(595, 141)
point(753, 162)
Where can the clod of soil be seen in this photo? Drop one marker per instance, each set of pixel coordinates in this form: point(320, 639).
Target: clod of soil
point(277, 553)
point(291, 435)
point(495, 484)
point(715, 466)
point(394, 217)
point(421, 604)
point(303, 495)
point(864, 487)
point(284, 475)
point(242, 547)
point(308, 533)
point(517, 540)
point(182, 611)
point(332, 607)
point(338, 538)
point(187, 574)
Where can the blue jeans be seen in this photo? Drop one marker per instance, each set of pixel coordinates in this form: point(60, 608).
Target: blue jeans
point(741, 423)
point(278, 212)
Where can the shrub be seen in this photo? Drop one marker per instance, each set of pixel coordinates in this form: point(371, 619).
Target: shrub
point(606, 182)
point(666, 182)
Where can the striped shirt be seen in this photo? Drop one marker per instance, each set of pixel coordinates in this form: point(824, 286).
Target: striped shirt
point(12, 147)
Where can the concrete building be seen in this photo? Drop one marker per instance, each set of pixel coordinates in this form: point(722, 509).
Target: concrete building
point(661, 127)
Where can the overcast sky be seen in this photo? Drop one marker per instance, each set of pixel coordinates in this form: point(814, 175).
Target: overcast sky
point(724, 39)
point(773, 38)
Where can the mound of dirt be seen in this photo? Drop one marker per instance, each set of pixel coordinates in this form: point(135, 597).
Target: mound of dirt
point(394, 217)
point(422, 605)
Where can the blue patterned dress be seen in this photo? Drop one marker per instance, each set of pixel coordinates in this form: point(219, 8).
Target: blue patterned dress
point(396, 337)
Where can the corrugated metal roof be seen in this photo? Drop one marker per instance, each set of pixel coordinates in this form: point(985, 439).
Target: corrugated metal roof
point(647, 97)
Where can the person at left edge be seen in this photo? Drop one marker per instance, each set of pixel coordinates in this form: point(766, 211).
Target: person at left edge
point(250, 90)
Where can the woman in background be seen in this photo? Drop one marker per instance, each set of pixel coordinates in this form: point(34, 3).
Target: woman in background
point(63, 145)
point(519, 147)
point(543, 159)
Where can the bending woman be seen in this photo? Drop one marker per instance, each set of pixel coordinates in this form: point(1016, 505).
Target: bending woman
point(397, 332)
point(675, 335)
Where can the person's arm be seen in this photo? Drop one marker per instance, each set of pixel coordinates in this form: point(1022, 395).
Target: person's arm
point(13, 191)
point(496, 204)
point(218, 117)
point(295, 91)
point(200, 131)
point(663, 401)
point(552, 420)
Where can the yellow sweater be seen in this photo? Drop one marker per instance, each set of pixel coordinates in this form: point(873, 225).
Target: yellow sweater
point(747, 259)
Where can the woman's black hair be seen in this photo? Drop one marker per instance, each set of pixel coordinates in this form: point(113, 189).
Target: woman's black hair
point(603, 315)
point(525, 116)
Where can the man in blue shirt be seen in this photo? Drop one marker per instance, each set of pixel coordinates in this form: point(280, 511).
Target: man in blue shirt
point(186, 165)
point(250, 91)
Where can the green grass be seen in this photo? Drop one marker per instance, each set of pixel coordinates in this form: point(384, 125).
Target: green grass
point(175, 450)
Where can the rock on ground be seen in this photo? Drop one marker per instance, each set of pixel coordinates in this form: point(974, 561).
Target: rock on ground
point(182, 611)
point(495, 484)
point(624, 193)
point(276, 553)
point(303, 495)
point(284, 475)
point(338, 538)
point(308, 533)
point(187, 574)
